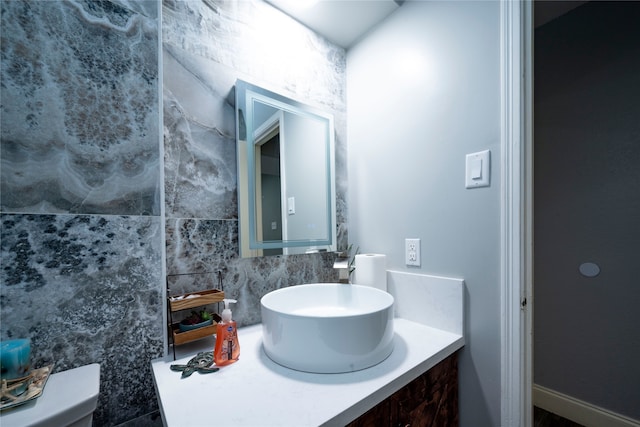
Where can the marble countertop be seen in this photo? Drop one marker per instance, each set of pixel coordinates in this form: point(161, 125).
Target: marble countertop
point(255, 391)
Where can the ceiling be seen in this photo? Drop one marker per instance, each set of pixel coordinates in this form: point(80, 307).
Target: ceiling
point(341, 22)
point(344, 22)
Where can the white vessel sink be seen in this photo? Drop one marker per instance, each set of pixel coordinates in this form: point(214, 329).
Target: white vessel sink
point(327, 327)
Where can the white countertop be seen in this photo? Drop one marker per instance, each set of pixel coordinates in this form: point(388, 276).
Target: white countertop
point(257, 392)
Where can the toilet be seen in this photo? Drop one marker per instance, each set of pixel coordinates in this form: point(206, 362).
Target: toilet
point(69, 399)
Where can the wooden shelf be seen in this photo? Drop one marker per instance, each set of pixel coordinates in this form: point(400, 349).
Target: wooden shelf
point(188, 301)
point(182, 337)
point(195, 299)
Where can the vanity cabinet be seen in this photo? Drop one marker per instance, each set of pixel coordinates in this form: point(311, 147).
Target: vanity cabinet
point(429, 400)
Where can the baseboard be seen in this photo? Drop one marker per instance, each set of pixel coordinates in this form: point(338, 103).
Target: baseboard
point(577, 410)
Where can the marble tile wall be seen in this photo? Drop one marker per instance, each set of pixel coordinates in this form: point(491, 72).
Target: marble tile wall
point(79, 110)
point(81, 231)
point(81, 213)
point(206, 47)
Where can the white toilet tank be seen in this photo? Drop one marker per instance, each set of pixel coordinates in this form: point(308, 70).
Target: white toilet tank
point(69, 399)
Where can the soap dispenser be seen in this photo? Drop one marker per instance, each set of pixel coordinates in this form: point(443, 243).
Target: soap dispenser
point(227, 349)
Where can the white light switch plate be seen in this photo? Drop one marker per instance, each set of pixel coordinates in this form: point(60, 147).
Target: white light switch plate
point(291, 205)
point(478, 169)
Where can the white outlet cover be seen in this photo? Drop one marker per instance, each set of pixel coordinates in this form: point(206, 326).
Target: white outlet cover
point(478, 169)
point(412, 252)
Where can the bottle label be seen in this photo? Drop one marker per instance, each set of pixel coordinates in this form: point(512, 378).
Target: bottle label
point(230, 348)
point(228, 345)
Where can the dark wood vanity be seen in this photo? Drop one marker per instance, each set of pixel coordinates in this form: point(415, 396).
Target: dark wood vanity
point(431, 400)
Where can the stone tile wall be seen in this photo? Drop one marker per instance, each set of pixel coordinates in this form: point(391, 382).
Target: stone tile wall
point(82, 221)
point(206, 47)
point(81, 236)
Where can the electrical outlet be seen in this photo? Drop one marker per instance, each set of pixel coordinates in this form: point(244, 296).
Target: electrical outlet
point(412, 252)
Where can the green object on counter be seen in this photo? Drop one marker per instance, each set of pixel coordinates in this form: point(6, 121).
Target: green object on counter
point(201, 363)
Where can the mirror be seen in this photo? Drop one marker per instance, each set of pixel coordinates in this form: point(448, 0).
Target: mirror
point(286, 174)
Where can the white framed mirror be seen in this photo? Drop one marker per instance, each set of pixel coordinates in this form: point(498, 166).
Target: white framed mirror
point(286, 174)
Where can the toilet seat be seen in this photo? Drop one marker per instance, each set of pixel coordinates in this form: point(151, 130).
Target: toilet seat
point(69, 399)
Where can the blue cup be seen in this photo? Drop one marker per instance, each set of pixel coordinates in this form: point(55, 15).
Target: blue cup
point(15, 359)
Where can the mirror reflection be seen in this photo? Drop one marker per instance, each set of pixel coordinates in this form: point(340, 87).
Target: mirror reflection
point(286, 174)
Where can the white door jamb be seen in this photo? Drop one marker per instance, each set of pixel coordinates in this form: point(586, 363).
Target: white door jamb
point(516, 212)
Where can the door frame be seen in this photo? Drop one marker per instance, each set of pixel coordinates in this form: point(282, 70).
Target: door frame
point(516, 205)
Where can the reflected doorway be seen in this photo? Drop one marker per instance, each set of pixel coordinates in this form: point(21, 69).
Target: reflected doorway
point(269, 194)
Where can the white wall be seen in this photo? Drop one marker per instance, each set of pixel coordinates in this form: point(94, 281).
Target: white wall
point(423, 90)
point(305, 158)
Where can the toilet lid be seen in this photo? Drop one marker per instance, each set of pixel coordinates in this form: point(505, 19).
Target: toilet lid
point(68, 396)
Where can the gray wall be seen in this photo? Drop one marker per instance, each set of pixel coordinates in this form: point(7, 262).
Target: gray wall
point(587, 205)
point(83, 222)
point(423, 91)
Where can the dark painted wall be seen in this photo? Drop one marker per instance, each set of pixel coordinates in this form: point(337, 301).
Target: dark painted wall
point(587, 205)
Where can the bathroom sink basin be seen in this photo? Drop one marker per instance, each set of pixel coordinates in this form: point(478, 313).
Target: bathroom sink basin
point(327, 327)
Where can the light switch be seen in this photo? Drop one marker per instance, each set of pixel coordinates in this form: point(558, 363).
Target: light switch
point(478, 169)
point(291, 205)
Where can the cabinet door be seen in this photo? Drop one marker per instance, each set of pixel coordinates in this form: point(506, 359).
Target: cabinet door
point(431, 400)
